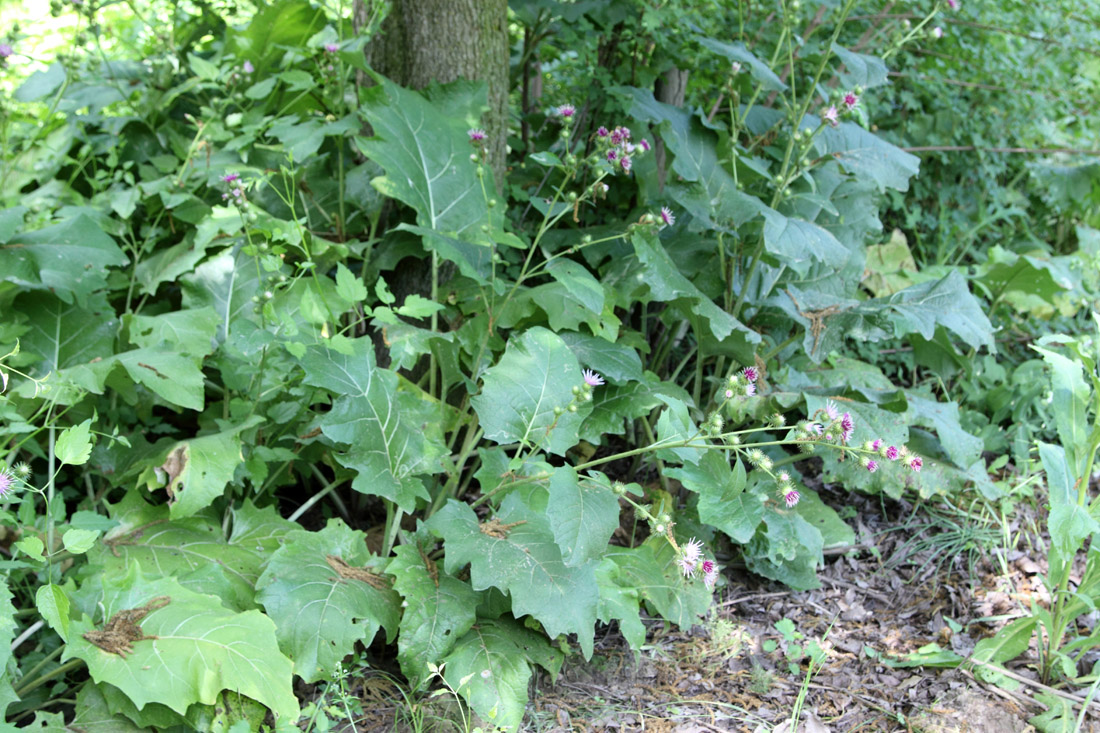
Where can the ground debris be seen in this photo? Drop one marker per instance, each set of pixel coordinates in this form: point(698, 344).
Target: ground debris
point(121, 631)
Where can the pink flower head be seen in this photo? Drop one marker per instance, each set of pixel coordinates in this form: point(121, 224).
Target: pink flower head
point(231, 177)
point(602, 131)
point(619, 135)
point(832, 116)
point(831, 410)
point(953, 4)
point(892, 453)
point(791, 498)
point(667, 217)
point(331, 47)
point(729, 393)
point(750, 373)
point(476, 134)
point(872, 466)
point(851, 100)
point(750, 389)
point(6, 50)
point(876, 444)
point(612, 156)
point(625, 163)
point(735, 67)
point(937, 32)
point(7, 482)
point(916, 463)
point(847, 425)
point(592, 379)
point(690, 554)
point(644, 145)
point(248, 68)
point(710, 577)
point(566, 111)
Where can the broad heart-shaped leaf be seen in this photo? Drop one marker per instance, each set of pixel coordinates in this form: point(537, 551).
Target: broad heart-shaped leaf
point(193, 545)
point(7, 635)
point(866, 155)
point(615, 362)
point(438, 610)
point(787, 549)
point(960, 446)
point(200, 647)
point(226, 283)
point(723, 501)
point(190, 331)
point(394, 436)
point(666, 283)
point(582, 514)
point(201, 468)
point(520, 393)
point(737, 52)
point(70, 258)
point(66, 334)
point(712, 195)
point(425, 152)
point(524, 561)
point(620, 601)
point(797, 242)
point(860, 69)
point(651, 569)
point(490, 668)
point(917, 309)
point(321, 606)
point(162, 370)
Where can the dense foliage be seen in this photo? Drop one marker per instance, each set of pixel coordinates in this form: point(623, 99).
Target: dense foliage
point(287, 371)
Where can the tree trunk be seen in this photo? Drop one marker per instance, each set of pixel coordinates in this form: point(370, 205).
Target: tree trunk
point(671, 89)
point(442, 40)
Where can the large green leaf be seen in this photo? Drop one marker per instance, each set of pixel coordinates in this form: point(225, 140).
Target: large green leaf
point(652, 570)
point(867, 156)
point(7, 634)
point(438, 610)
point(273, 28)
point(613, 405)
point(1071, 397)
point(1069, 522)
point(196, 544)
point(490, 668)
point(190, 331)
point(199, 469)
point(226, 283)
point(797, 242)
point(723, 502)
point(200, 647)
point(325, 593)
point(526, 396)
point(583, 514)
point(394, 437)
point(667, 284)
point(70, 258)
point(516, 552)
point(787, 549)
point(737, 52)
point(960, 446)
point(432, 173)
point(66, 334)
point(616, 362)
point(176, 378)
point(620, 600)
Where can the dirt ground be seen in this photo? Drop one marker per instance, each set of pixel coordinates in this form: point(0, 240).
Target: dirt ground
point(911, 579)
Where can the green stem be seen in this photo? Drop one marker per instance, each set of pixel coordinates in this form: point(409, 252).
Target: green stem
point(68, 666)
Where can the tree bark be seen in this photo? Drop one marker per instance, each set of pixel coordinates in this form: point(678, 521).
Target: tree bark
point(671, 89)
point(443, 40)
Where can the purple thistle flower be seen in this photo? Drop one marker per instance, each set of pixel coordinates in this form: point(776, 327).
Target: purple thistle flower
point(566, 111)
point(667, 217)
point(831, 410)
point(602, 131)
point(612, 156)
point(230, 177)
point(592, 379)
point(248, 68)
point(872, 466)
point(710, 574)
point(876, 444)
point(832, 116)
point(476, 134)
point(625, 163)
point(644, 145)
point(5, 50)
point(847, 426)
point(937, 32)
point(851, 100)
point(750, 373)
point(916, 463)
point(892, 453)
point(750, 389)
point(7, 482)
point(791, 498)
point(729, 393)
point(331, 47)
point(953, 4)
point(690, 554)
